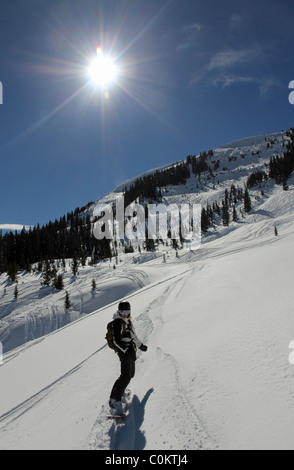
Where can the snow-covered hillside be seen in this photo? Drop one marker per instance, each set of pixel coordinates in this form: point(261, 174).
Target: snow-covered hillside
point(218, 323)
point(38, 310)
point(236, 160)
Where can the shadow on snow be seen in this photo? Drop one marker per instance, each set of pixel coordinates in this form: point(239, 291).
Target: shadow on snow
point(128, 435)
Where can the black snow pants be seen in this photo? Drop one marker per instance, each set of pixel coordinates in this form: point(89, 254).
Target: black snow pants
point(127, 361)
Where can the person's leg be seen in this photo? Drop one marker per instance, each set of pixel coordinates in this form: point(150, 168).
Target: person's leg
point(127, 373)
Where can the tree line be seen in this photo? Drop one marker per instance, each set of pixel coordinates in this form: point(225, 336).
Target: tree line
point(69, 237)
point(150, 186)
point(282, 167)
point(226, 210)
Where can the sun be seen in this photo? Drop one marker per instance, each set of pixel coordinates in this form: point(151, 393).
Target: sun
point(103, 70)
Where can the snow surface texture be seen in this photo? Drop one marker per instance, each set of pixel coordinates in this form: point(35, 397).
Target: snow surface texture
point(218, 323)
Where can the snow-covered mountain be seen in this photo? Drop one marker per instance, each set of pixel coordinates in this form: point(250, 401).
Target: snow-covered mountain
point(217, 322)
point(234, 162)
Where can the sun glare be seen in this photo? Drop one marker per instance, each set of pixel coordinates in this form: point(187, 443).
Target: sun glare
point(102, 70)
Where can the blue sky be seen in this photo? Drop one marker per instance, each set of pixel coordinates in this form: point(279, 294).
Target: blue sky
point(192, 75)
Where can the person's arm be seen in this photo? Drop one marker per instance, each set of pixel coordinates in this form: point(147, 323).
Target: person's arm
point(137, 342)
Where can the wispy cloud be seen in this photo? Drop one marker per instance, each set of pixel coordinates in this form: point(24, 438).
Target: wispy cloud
point(264, 84)
point(225, 57)
point(183, 46)
point(232, 67)
point(188, 34)
point(228, 80)
point(231, 57)
point(193, 27)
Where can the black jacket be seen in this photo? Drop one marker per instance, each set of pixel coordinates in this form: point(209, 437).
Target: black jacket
point(125, 337)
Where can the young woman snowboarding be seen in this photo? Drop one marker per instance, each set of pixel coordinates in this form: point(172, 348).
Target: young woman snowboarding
point(126, 343)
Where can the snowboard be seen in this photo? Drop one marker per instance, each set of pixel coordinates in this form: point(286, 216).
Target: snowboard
point(117, 417)
point(126, 401)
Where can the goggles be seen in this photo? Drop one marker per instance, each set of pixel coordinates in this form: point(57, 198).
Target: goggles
point(125, 313)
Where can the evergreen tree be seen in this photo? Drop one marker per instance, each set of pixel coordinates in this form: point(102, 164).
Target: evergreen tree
point(16, 291)
point(204, 220)
point(175, 244)
point(47, 276)
point(225, 214)
point(226, 198)
point(235, 217)
point(105, 249)
point(75, 266)
point(67, 303)
point(58, 282)
point(129, 248)
point(256, 178)
point(247, 201)
point(40, 265)
point(12, 270)
point(150, 244)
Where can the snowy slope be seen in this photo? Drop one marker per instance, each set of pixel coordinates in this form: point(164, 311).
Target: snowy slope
point(40, 310)
point(218, 326)
point(217, 322)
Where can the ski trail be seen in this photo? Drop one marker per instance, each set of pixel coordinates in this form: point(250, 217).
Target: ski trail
point(101, 433)
point(13, 414)
point(188, 427)
point(170, 401)
point(128, 435)
point(111, 434)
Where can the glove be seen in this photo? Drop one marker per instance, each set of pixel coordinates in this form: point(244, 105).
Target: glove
point(143, 348)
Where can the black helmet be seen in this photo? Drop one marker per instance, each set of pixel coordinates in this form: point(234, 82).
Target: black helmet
point(124, 308)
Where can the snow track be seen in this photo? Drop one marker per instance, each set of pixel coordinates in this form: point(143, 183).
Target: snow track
point(177, 417)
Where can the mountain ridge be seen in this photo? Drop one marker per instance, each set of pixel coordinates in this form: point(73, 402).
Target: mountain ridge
point(232, 144)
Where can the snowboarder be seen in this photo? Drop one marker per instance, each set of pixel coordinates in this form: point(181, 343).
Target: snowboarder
point(126, 342)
